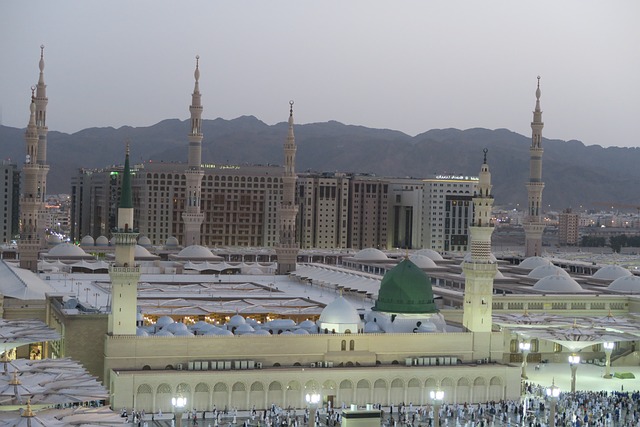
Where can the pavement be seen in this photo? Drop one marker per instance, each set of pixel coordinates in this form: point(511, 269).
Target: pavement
point(588, 377)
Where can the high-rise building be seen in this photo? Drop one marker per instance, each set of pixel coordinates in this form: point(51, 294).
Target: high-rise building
point(406, 216)
point(287, 247)
point(448, 210)
point(9, 201)
point(534, 220)
point(479, 268)
point(368, 216)
point(323, 201)
point(193, 217)
point(568, 228)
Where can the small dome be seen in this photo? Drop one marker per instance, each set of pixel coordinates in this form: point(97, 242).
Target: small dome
point(372, 328)
point(175, 327)
point(422, 261)
point(141, 332)
point(435, 256)
point(611, 272)
point(261, 332)
point(626, 284)
point(236, 320)
point(197, 252)
point(533, 262)
point(301, 332)
point(340, 311)
point(405, 289)
point(371, 254)
point(66, 250)
point(141, 253)
point(144, 241)
point(426, 327)
point(53, 240)
point(102, 241)
point(183, 333)
point(281, 324)
point(163, 333)
point(546, 270)
point(112, 242)
point(164, 321)
point(244, 329)
point(558, 283)
point(87, 241)
point(171, 242)
point(309, 325)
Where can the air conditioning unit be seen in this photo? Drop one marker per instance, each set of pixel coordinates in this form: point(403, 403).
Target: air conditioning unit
point(258, 365)
point(179, 366)
point(313, 364)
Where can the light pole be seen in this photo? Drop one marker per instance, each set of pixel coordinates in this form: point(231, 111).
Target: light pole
point(437, 396)
point(574, 361)
point(525, 347)
point(178, 406)
point(312, 400)
point(608, 348)
point(553, 392)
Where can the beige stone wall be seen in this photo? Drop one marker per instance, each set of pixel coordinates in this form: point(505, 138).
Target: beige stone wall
point(153, 390)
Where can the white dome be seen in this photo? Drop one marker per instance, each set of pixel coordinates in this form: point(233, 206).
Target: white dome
point(611, 272)
point(627, 284)
point(546, 270)
point(102, 241)
point(533, 262)
point(175, 327)
point(244, 329)
point(141, 252)
point(422, 261)
point(87, 241)
point(558, 283)
point(197, 252)
point(144, 241)
point(54, 239)
point(340, 311)
point(112, 242)
point(372, 328)
point(171, 242)
point(164, 321)
point(308, 324)
point(66, 250)
point(435, 256)
point(141, 332)
point(281, 324)
point(236, 320)
point(261, 332)
point(183, 333)
point(301, 332)
point(164, 333)
point(371, 254)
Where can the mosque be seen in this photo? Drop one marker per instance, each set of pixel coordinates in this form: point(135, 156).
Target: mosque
point(157, 324)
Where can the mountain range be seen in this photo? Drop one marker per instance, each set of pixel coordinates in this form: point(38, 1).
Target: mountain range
point(575, 175)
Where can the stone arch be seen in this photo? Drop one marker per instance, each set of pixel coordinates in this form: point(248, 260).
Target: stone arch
point(463, 390)
point(480, 390)
point(164, 393)
point(363, 391)
point(346, 391)
point(257, 393)
point(294, 396)
point(329, 388)
point(238, 395)
point(144, 397)
point(495, 389)
point(201, 396)
point(380, 391)
point(430, 384)
point(220, 395)
point(397, 390)
point(447, 385)
point(414, 390)
point(275, 394)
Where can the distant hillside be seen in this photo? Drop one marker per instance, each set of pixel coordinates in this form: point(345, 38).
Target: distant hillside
point(574, 174)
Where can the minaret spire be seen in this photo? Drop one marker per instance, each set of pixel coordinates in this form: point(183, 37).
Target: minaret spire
point(41, 123)
point(192, 215)
point(287, 247)
point(124, 272)
point(479, 268)
point(533, 223)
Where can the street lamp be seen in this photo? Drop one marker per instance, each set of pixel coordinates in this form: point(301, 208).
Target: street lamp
point(552, 393)
point(437, 396)
point(312, 400)
point(608, 348)
point(574, 361)
point(525, 347)
point(178, 406)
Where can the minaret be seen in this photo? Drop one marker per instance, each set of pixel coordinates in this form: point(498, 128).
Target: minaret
point(124, 273)
point(533, 222)
point(30, 204)
point(192, 216)
point(287, 247)
point(41, 123)
point(480, 270)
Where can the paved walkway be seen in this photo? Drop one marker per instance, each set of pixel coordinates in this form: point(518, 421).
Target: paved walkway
point(588, 377)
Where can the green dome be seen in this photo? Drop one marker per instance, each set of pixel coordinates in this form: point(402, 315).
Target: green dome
point(406, 289)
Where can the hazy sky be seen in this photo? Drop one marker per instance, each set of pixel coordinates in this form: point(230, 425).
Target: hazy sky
point(405, 65)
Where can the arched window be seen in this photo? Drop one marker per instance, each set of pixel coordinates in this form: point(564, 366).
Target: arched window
point(352, 345)
point(343, 345)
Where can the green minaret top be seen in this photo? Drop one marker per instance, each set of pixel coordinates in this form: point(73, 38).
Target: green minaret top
point(406, 289)
point(126, 200)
